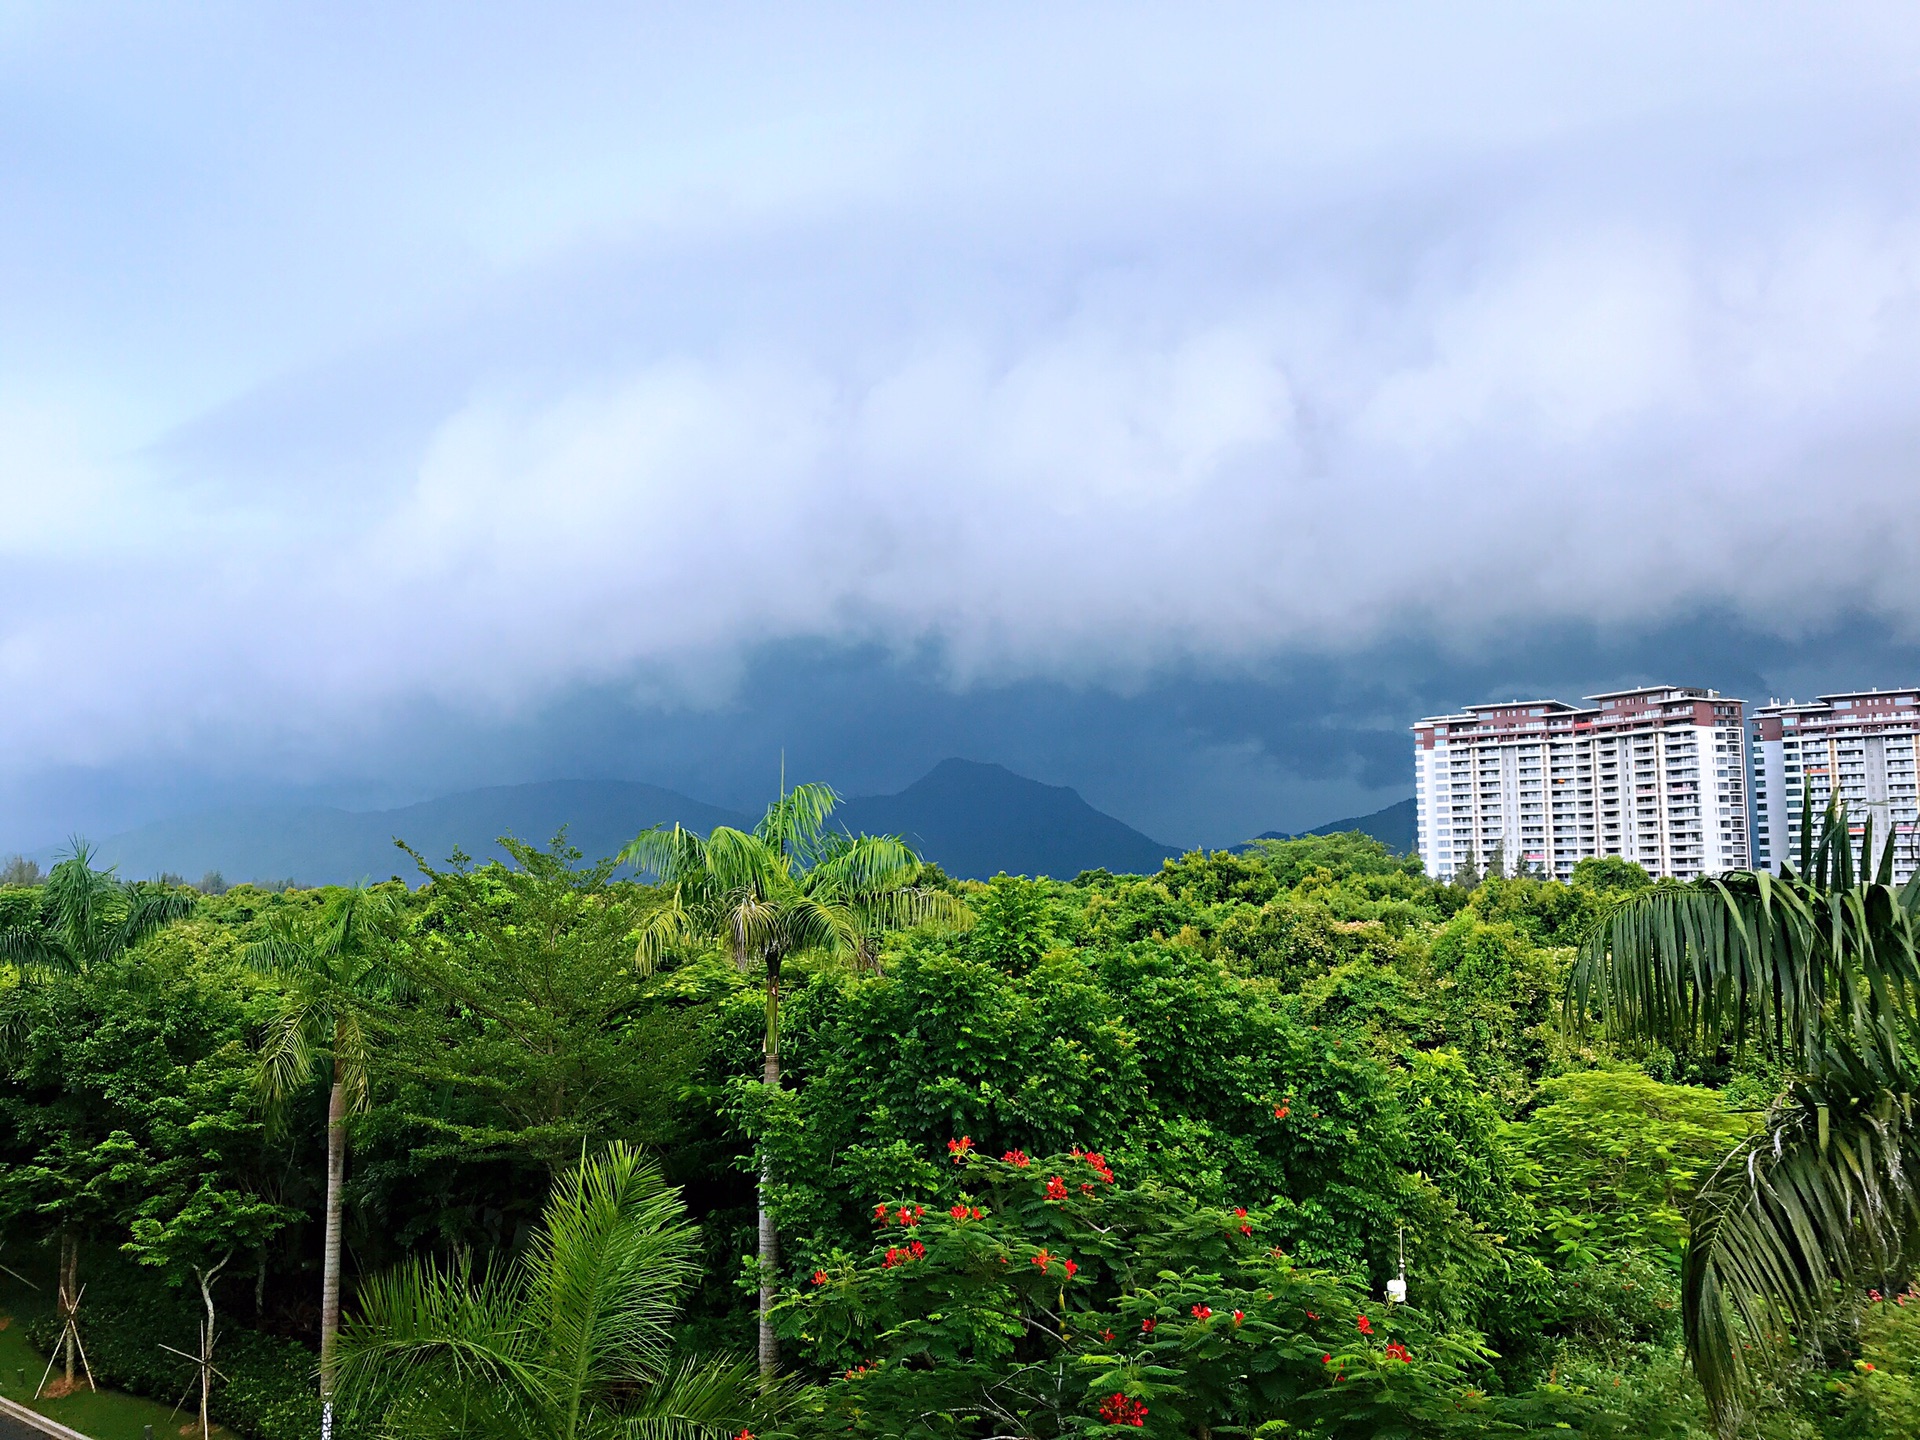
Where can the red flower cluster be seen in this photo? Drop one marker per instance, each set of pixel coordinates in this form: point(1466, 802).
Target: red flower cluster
point(744, 1435)
point(819, 1277)
point(1397, 1351)
point(899, 1254)
point(910, 1215)
point(1016, 1157)
point(1363, 1325)
point(1146, 1325)
point(858, 1370)
point(1097, 1161)
point(1042, 1260)
point(1117, 1409)
point(1071, 1268)
point(1238, 1316)
point(960, 1148)
point(1280, 1112)
point(1246, 1227)
point(1056, 1189)
point(1202, 1312)
point(1107, 1335)
point(966, 1212)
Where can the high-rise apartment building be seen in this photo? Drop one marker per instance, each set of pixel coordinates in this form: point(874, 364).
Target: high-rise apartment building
point(1859, 746)
point(1657, 776)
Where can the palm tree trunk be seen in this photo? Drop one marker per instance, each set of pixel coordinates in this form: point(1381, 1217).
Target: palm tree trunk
point(330, 1261)
point(769, 1241)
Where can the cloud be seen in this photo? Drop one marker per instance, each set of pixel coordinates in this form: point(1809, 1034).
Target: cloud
point(1087, 349)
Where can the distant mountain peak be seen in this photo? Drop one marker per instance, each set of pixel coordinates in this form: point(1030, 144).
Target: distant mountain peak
point(972, 817)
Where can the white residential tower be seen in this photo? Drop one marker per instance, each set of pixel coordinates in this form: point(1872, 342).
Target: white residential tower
point(1657, 776)
point(1859, 746)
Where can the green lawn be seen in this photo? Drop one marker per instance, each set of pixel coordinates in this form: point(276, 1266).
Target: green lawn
point(107, 1415)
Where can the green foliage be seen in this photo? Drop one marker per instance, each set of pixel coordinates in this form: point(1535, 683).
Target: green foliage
point(572, 1340)
point(1046, 1297)
point(551, 1034)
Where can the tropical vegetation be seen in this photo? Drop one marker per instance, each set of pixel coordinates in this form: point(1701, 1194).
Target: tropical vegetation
point(784, 1132)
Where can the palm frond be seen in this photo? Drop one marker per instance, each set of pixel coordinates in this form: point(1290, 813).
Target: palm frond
point(607, 1270)
point(442, 1328)
point(700, 1400)
point(1796, 1221)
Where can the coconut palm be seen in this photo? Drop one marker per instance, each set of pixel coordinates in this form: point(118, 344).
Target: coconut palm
point(1820, 965)
point(570, 1341)
point(789, 887)
point(331, 967)
point(85, 919)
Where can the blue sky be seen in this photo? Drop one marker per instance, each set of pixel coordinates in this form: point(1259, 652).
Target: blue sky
point(1169, 401)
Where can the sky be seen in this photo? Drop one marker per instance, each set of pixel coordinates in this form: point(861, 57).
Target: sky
point(1174, 402)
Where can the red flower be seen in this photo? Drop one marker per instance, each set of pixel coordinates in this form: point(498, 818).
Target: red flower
point(1015, 1157)
point(1086, 1187)
point(1042, 1260)
point(1363, 1325)
point(1107, 1335)
point(1238, 1316)
point(1240, 1212)
point(1117, 1409)
point(1099, 1165)
point(1202, 1312)
point(910, 1214)
point(819, 1277)
point(918, 1249)
point(1397, 1351)
point(1280, 1112)
point(1312, 1316)
point(1146, 1326)
point(1873, 1295)
point(1056, 1189)
point(959, 1148)
point(975, 1213)
point(894, 1255)
point(1072, 1269)
point(1246, 1229)
point(744, 1435)
point(880, 1213)
point(959, 1212)
point(1326, 1359)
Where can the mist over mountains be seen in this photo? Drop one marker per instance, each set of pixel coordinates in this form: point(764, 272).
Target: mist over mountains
point(974, 820)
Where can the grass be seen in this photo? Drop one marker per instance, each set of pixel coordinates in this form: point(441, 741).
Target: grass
point(107, 1415)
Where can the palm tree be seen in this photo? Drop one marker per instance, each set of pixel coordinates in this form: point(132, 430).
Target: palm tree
point(570, 1341)
point(86, 919)
point(89, 918)
point(331, 967)
point(1820, 965)
point(788, 888)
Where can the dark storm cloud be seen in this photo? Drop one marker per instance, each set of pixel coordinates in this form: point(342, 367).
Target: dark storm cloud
point(1172, 405)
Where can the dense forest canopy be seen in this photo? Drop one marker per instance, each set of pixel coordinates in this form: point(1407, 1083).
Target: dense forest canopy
point(1127, 1153)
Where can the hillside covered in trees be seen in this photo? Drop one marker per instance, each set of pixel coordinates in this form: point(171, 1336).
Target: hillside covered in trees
point(1129, 1154)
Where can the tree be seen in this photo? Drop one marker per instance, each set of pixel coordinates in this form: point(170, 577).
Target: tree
point(788, 888)
point(331, 966)
point(548, 1023)
point(569, 1341)
point(86, 919)
point(1821, 967)
point(1044, 1296)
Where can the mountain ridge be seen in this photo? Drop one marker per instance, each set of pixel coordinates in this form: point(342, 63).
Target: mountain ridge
point(972, 818)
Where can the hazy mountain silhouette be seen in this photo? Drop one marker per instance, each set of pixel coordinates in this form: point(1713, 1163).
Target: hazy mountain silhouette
point(973, 820)
point(1392, 827)
point(976, 820)
point(315, 845)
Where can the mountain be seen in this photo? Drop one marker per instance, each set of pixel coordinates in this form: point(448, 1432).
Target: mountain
point(316, 845)
point(976, 820)
point(1392, 827)
point(972, 819)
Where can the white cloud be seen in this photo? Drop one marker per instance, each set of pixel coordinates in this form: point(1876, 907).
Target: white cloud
point(1074, 348)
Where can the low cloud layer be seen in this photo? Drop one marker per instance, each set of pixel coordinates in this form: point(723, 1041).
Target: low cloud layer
point(480, 368)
